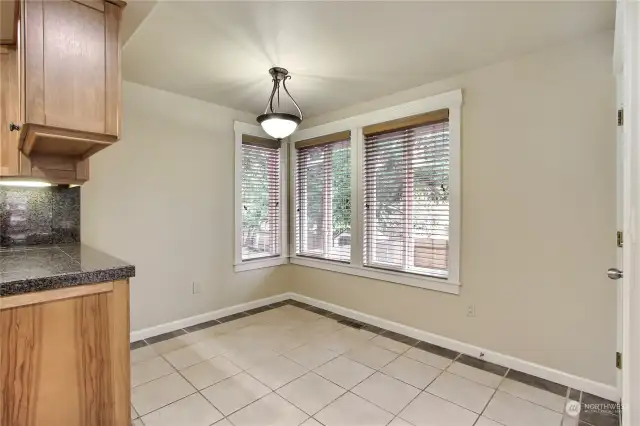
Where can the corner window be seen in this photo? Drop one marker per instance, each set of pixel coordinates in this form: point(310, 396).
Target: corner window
point(260, 199)
point(323, 197)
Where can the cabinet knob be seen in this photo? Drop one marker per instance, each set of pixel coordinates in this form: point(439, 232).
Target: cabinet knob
point(13, 127)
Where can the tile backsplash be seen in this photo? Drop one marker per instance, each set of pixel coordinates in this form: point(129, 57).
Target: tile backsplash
point(39, 215)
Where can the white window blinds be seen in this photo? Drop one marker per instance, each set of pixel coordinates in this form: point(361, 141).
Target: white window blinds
point(406, 194)
point(260, 197)
point(323, 199)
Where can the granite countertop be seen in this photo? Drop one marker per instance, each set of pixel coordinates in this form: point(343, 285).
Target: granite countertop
point(37, 268)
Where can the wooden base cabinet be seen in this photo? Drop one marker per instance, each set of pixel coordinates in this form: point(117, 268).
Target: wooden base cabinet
point(64, 357)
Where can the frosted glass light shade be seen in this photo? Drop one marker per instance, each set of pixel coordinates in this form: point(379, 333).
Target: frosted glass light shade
point(279, 125)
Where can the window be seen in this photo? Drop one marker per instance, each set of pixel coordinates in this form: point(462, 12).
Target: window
point(382, 200)
point(323, 199)
point(260, 196)
point(406, 194)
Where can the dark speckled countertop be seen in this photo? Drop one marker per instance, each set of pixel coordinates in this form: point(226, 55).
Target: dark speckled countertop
point(37, 268)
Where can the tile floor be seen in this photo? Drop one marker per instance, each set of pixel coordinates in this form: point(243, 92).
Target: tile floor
point(291, 364)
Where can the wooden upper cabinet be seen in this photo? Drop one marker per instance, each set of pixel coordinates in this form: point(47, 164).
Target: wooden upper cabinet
point(72, 79)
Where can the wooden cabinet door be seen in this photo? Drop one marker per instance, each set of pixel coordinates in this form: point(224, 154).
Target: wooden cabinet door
point(9, 111)
point(64, 357)
point(72, 54)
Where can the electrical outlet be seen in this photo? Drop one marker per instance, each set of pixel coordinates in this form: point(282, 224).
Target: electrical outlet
point(196, 288)
point(471, 310)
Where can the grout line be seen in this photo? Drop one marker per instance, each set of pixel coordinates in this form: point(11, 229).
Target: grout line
point(504, 377)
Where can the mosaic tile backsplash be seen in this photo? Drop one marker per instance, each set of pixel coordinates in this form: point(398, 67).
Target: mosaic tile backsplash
point(32, 216)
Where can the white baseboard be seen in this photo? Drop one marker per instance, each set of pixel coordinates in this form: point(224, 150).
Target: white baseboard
point(596, 388)
point(208, 316)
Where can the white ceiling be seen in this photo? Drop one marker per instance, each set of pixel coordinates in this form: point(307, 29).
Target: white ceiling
point(339, 53)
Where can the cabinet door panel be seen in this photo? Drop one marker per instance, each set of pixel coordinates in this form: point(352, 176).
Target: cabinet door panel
point(9, 112)
point(66, 362)
point(74, 66)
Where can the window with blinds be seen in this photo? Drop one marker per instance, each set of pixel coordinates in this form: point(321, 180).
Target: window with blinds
point(323, 199)
point(406, 194)
point(260, 197)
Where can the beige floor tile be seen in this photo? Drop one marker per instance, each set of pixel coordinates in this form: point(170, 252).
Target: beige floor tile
point(535, 395)
point(344, 372)
point(142, 354)
point(210, 372)
point(511, 411)
point(470, 395)
point(429, 410)
point(146, 371)
point(311, 422)
point(160, 392)
point(134, 414)
point(371, 355)
point(194, 354)
point(249, 358)
point(399, 422)
point(483, 421)
point(428, 358)
point(171, 344)
point(235, 392)
point(474, 374)
point(311, 356)
point(411, 371)
point(386, 392)
point(193, 410)
point(277, 372)
point(137, 422)
point(223, 422)
point(272, 410)
point(351, 410)
point(342, 340)
point(311, 393)
point(390, 344)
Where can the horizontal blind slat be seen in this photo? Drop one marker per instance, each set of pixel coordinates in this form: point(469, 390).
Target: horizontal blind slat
point(405, 183)
point(323, 198)
point(260, 198)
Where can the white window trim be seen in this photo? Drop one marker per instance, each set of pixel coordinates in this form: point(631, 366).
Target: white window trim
point(239, 265)
point(451, 100)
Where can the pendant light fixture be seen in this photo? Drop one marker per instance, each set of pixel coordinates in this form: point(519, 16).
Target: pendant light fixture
point(279, 125)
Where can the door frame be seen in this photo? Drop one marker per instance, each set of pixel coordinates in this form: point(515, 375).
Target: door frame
point(627, 67)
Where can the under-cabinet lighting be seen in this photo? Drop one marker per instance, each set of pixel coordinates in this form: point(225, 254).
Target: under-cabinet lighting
point(25, 183)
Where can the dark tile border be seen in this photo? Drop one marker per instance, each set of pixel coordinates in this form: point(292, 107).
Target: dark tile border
point(353, 324)
point(400, 338)
point(137, 345)
point(232, 317)
point(588, 418)
point(482, 365)
point(574, 394)
point(201, 326)
point(437, 350)
point(598, 411)
point(373, 329)
point(165, 336)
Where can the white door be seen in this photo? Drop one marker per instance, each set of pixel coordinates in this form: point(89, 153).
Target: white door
point(627, 65)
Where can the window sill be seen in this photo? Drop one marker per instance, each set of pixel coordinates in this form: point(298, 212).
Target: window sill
point(394, 277)
point(260, 263)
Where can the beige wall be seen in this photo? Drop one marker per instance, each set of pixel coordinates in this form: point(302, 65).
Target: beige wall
point(162, 199)
point(538, 219)
point(538, 155)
